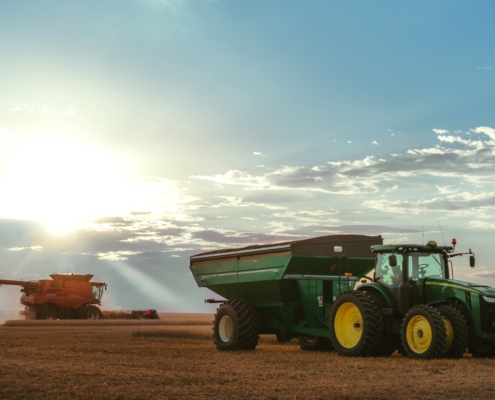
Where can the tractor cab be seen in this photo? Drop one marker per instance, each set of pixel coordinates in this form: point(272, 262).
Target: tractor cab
point(410, 263)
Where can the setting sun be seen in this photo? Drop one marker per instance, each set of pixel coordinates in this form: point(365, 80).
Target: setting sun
point(62, 183)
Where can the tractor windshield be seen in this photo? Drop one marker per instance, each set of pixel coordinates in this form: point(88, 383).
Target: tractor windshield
point(421, 265)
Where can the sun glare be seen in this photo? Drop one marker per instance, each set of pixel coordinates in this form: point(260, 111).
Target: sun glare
point(62, 184)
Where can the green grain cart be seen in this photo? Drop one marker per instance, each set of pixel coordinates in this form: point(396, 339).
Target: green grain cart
point(319, 290)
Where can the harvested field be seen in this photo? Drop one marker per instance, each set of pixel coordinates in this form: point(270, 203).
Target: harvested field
point(179, 361)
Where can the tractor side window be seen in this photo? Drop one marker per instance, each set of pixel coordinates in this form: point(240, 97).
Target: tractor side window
point(426, 265)
point(387, 274)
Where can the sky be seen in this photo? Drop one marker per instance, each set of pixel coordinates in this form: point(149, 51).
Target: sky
point(136, 133)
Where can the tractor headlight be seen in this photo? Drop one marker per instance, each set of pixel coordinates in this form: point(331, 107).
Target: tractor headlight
point(489, 299)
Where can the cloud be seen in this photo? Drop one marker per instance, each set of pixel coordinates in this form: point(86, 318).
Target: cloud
point(257, 153)
point(374, 142)
point(465, 201)
point(440, 131)
point(476, 224)
point(447, 189)
point(484, 68)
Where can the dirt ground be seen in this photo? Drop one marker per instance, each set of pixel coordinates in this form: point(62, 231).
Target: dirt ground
point(174, 358)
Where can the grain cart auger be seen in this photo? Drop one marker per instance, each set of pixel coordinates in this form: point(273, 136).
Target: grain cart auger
point(286, 289)
point(64, 296)
point(417, 308)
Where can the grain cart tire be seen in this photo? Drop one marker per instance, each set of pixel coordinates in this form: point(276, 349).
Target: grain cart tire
point(89, 312)
point(481, 348)
point(314, 343)
point(423, 333)
point(48, 313)
point(355, 324)
point(236, 326)
point(457, 332)
point(388, 343)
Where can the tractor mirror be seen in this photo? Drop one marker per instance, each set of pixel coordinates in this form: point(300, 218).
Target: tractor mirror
point(337, 249)
point(392, 260)
point(471, 261)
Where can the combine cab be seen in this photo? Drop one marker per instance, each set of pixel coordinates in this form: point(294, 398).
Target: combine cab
point(65, 296)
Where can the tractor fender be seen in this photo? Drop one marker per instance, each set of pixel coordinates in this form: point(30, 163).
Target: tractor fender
point(438, 303)
point(367, 287)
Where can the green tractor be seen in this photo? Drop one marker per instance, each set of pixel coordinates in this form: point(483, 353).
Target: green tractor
point(319, 291)
point(413, 304)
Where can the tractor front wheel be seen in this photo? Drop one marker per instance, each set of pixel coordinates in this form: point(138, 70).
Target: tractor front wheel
point(355, 324)
point(48, 313)
point(423, 333)
point(481, 348)
point(236, 326)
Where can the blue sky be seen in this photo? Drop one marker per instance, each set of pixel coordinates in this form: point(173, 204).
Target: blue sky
point(136, 133)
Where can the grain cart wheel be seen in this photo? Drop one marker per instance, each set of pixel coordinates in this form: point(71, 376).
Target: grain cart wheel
point(388, 343)
point(314, 343)
point(89, 312)
point(48, 313)
point(423, 333)
point(457, 333)
point(236, 326)
point(355, 324)
point(481, 348)
point(284, 336)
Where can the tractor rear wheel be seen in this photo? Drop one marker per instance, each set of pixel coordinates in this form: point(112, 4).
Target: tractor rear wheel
point(355, 324)
point(314, 343)
point(481, 348)
point(457, 333)
point(48, 313)
point(89, 312)
point(388, 343)
point(423, 333)
point(236, 326)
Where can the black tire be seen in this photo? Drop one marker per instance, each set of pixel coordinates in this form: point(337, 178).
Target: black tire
point(481, 348)
point(388, 343)
point(456, 330)
point(284, 336)
point(314, 343)
point(236, 326)
point(355, 324)
point(423, 333)
point(89, 312)
point(48, 313)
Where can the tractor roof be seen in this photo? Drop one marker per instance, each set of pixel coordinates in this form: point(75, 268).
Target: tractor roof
point(425, 248)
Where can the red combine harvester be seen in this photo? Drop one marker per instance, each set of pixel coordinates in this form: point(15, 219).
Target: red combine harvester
point(65, 296)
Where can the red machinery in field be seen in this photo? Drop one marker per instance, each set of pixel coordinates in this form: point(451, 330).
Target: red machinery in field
point(65, 296)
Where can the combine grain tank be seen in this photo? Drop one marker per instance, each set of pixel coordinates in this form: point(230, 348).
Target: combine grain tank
point(286, 289)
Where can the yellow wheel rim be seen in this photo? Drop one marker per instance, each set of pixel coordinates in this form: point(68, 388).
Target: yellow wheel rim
point(419, 334)
point(449, 330)
point(348, 325)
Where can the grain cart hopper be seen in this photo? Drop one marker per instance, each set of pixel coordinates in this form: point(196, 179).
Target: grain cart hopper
point(64, 296)
point(416, 306)
point(286, 289)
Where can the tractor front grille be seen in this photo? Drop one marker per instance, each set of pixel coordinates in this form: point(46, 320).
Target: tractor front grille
point(487, 316)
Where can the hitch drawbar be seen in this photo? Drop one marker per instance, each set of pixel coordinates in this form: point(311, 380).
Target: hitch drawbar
point(214, 301)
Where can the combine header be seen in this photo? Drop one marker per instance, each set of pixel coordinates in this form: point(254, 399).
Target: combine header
point(65, 296)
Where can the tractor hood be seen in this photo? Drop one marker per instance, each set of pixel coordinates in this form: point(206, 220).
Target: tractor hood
point(478, 288)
